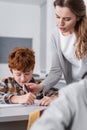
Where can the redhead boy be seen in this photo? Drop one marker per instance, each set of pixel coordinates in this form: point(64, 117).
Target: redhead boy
point(21, 62)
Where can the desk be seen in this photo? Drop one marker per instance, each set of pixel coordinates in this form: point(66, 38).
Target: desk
point(16, 118)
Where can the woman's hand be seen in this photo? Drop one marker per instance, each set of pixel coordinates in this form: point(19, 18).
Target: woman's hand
point(34, 88)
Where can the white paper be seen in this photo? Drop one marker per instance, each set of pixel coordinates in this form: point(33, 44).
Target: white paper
point(9, 105)
point(22, 105)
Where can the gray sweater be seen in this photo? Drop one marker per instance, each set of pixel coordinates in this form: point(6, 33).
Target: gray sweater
point(59, 64)
point(68, 112)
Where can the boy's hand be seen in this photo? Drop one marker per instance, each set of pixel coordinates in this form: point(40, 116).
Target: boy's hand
point(45, 101)
point(24, 99)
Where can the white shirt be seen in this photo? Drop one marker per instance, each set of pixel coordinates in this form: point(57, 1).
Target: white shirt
point(79, 67)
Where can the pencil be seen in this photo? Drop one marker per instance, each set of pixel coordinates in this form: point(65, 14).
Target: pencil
point(27, 90)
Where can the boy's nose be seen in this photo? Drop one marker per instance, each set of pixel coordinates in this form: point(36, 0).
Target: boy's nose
point(22, 78)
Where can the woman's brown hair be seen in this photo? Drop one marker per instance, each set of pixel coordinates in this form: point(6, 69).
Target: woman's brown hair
point(78, 7)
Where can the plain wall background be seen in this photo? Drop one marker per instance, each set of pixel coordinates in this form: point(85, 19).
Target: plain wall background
point(18, 20)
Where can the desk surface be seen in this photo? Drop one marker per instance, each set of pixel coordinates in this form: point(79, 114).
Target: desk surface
point(18, 113)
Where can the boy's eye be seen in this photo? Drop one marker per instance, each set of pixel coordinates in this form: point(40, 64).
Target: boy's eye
point(18, 74)
point(27, 74)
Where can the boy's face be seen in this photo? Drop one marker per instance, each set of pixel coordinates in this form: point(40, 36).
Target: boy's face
point(22, 77)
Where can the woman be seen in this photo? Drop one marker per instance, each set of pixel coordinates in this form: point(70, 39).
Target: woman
point(68, 40)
